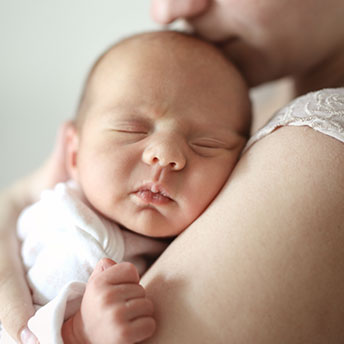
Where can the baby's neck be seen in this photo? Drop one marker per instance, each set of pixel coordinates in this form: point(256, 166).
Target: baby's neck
point(327, 74)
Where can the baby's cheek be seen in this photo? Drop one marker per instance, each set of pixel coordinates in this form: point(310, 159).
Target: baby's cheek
point(209, 187)
point(196, 204)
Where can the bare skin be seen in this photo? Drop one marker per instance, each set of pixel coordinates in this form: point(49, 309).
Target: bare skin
point(114, 308)
point(258, 265)
point(264, 38)
point(279, 283)
point(276, 275)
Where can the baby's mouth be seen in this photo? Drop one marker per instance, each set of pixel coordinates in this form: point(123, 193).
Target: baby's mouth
point(153, 194)
point(148, 196)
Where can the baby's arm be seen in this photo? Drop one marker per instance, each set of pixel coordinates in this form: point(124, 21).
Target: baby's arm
point(114, 308)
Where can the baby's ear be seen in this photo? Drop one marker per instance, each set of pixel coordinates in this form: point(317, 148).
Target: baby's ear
point(72, 152)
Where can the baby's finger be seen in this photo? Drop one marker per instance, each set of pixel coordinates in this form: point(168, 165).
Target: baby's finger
point(129, 291)
point(138, 308)
point(101, 266)
point(121, 273)
point(142, 328)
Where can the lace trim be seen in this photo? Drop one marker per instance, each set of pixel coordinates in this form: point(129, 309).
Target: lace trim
point(322, 111)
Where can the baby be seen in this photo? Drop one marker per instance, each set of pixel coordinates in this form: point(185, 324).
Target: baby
point(157, 134)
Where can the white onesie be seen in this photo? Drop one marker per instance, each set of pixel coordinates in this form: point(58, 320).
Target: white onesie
point(63, 238)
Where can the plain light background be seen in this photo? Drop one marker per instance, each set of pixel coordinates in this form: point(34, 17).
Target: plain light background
point(46, 50)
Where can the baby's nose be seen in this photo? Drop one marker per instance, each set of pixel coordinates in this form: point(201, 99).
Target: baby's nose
point(165, 154)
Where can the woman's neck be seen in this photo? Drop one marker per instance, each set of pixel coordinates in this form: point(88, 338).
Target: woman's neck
point(327, 74)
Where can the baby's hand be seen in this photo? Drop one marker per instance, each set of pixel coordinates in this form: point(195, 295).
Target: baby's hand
point(114, 308)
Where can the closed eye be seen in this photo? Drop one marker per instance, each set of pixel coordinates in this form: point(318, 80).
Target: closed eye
point(206, 145)
point(207, 148)
point(129, 135)
point(131, 131)
point(131, 126)
point(210, 144)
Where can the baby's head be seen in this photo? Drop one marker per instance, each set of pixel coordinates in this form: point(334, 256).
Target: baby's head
point(161, 123)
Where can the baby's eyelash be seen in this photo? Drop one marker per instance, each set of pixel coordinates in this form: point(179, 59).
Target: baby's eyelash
point(211, 144)
point(204, 145)
point(130, 131)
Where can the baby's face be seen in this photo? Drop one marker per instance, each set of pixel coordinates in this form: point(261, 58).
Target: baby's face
point(161, 136)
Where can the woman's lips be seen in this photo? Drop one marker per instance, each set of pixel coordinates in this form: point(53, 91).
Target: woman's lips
point(149, 197)
point(223, 43)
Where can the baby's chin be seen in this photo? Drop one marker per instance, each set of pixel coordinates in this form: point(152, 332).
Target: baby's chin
point(161, 230)
point(157, 232)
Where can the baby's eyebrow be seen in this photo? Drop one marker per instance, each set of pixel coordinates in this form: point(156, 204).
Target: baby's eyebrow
point(126, 114)
point(127, 106)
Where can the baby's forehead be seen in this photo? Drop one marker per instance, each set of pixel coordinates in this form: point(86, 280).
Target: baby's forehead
point(168, 45)
point(159, 55)
point(169, 56)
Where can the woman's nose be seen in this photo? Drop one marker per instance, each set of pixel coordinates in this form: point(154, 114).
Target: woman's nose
point(166, 11)
point(165, 154)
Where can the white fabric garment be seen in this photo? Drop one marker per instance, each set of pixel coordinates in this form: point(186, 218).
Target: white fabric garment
point(322, 111)
point(63, 239)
